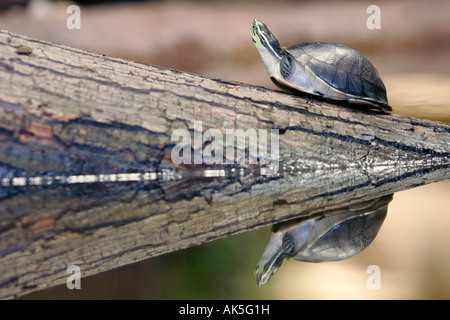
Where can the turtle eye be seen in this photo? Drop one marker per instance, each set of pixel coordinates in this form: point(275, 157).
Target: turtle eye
point(263, 41)
point(254, 30)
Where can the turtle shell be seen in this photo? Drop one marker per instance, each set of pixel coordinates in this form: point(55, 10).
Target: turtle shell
point(336, 234)
point(331, 235)
point(343, 240)
point(342, 68)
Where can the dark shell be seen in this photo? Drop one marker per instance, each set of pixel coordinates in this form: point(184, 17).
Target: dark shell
point(342, 68)
point(346, 239)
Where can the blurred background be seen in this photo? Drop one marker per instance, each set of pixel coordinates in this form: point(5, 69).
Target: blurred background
point(412, 54)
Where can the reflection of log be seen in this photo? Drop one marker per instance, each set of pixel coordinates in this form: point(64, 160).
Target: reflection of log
point(69, 112)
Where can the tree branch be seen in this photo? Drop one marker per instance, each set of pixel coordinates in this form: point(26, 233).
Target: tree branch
point(87, 177)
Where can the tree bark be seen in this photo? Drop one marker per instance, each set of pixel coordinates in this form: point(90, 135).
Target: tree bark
point(87, 176)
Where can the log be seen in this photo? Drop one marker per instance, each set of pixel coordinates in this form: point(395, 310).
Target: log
point(87, 174)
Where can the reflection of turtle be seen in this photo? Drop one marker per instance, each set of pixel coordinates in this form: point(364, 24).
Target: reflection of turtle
point(324, 69)
point(330, 236)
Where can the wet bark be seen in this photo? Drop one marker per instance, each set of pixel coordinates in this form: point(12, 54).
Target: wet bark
point(67, 113)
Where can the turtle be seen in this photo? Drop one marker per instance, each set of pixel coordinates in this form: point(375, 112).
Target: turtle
point(332, 71)
point(332, 235)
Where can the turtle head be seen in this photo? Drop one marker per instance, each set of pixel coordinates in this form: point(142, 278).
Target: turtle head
point(267, 45)
point(270, 261)
point(286, 240)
